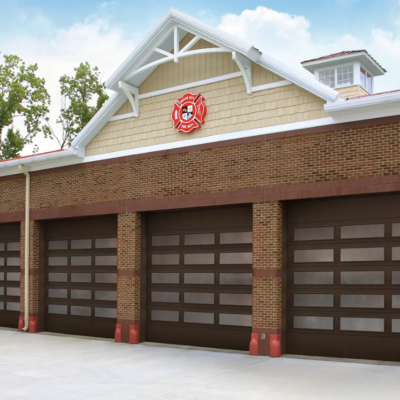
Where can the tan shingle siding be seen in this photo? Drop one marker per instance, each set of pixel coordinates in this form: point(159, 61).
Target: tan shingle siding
point(230, 109)
point(351, 91)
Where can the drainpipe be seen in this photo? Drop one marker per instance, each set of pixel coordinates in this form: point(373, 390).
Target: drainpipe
point(27, 217)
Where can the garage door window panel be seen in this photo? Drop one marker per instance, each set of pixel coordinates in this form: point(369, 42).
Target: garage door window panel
point(313, 322)
point(165, 316)
point(362, 324)
point(362, 277)
point(313, 300)
point(395, 325)
point(165, 240)
point(396, 229)
point(236, 238)
point(165, 278)
point(81, 261)
point(57, 293)
point(199, 278)
point(313, 278)
point(236, 258)
point(317, 233)
point(165, 297)
point(78, 294)
point(108, 243)
point(165, 259)
point(57, 309)
point(81, 244)
point(362, 231)
point(236, 278)
point(362, 301)
point(105, 312)
point(58, 245)
point(14, 246)
point(314, 256)
point(199, 239)
point(58, 261)
point(199, 298)
point(235, 320)
point(395, 277)
point(198, 317)
point(362, 254)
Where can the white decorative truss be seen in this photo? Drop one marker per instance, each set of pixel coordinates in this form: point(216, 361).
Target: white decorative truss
point(162, 53)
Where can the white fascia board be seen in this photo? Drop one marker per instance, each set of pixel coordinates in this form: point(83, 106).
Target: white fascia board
point(373, 100)
point(307, 83)
point(40, 161)
point(110, 107)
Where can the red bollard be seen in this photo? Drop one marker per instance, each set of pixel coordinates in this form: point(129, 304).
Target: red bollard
point(275, 348)
point(21, 323)
point(33, 324)
point(133, 334)
point(254, 344)
point(118, 333)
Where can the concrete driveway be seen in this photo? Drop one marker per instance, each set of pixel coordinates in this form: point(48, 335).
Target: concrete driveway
point(40, 366)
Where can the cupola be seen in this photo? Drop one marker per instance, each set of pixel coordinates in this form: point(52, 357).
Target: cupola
point(351, 73)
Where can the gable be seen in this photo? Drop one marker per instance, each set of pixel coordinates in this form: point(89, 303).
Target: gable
point(244, 89)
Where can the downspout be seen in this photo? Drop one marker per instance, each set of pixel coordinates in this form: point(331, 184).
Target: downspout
point(27, 217)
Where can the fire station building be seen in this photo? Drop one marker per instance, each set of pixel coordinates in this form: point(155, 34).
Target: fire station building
point(218, 197)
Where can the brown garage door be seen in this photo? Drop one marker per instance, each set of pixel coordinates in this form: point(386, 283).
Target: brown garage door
point(343, 278)
point(81, 276)
point(199, 277)
point(10, 275)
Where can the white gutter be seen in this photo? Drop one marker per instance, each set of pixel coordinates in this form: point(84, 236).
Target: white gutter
point(363, 102)
point(39, 158)
point(27, 218)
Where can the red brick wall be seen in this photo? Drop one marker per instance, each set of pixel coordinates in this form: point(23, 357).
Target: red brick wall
point(319, 157)
point(267, 271)
point(338, 155)
point(33, 269)
point(128, 304)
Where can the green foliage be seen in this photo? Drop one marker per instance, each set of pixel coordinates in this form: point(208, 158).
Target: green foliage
point(12, 144)
point(22, 95)
point(83, 95)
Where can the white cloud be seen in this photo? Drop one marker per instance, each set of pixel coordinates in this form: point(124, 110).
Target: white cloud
point(288, 38)
point(60, 50)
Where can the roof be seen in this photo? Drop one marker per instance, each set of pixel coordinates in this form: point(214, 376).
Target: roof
point(345, 54)
point(144, 53)
point(31, 155)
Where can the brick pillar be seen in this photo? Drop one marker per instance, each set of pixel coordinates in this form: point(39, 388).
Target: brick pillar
point(128, 272)
point(33, 269)
point(267, 271)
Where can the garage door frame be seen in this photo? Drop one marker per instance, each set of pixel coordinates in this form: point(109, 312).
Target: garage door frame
point(144, 263)
point(354, 210)
point(43, 269)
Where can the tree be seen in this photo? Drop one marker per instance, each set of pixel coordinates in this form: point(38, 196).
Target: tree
point(82, 96)
point(22, 95)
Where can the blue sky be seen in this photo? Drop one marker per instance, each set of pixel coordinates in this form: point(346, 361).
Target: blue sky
point(58, 35)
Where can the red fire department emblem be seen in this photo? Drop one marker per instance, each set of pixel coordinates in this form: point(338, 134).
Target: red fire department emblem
point(189, 112)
